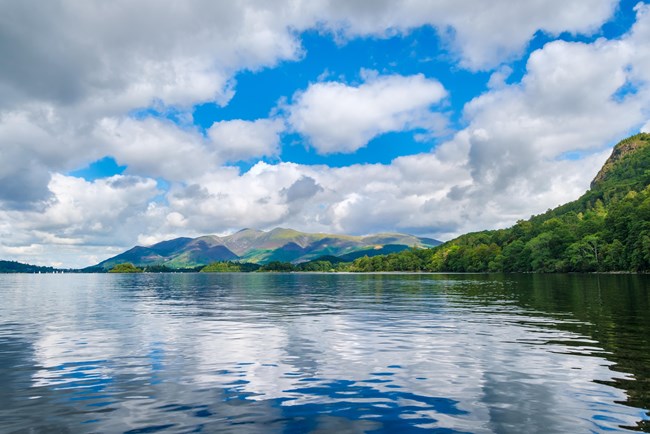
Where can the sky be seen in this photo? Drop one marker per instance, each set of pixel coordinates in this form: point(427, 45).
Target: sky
point(130, 122)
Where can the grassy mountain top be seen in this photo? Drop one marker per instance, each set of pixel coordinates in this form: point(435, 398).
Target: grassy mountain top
point(255, 246)
point(606, 229)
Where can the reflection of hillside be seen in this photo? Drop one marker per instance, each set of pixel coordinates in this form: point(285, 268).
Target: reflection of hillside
point(613, 310)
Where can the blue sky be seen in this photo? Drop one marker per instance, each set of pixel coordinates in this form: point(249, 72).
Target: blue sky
point(260, 92)
point(126, 126)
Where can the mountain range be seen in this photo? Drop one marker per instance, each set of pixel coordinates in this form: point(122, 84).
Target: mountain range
point(262, 247)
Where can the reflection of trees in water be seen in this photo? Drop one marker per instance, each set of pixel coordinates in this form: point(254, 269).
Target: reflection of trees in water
point(613, 310)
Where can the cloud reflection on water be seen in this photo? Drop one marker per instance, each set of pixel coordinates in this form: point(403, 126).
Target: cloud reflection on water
point(300, 358)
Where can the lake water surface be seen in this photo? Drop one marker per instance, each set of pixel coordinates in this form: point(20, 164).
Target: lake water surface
point(298, 353)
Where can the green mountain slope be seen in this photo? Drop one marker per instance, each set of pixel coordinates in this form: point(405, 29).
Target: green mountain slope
point(176, 253)
point(606, 229)
point(255, 246)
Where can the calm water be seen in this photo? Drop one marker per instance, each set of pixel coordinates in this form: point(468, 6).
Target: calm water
point(267, 353)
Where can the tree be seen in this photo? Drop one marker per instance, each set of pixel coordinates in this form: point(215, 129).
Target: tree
point(221, 267)
point(126, 267)
point(585, 254)
point(278, 266)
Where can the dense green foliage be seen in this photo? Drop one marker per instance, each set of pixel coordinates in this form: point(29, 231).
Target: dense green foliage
point(126, 267)
point(17, 267)
point(229, 267)
point(278, 266)
point(322, 264)
point(154, 268)
point(607, 229)
point(373, 251)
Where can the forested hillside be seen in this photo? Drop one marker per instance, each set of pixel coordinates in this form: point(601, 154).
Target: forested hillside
point(607, 229)
point(17, 267)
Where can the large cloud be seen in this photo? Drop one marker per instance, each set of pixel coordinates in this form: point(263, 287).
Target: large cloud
point(126, 53)
point(156, 147)
point(482, 34)
point(67, 66)
point(340, 118)
point(242, 140)
point(67, 90)
point(527, 146)
point(160, 148)
point(562, 106)
point(82, 222)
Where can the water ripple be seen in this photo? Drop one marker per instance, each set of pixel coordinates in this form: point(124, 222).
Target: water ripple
point(313, 353)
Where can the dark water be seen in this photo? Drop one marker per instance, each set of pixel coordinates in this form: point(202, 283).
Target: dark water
point(266, 353)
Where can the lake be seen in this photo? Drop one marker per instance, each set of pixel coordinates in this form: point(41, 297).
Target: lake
point(343, 353)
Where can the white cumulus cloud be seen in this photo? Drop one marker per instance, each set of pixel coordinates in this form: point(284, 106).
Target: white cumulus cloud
point(336, 117)
point(97, 60)
point(155, 147)
point(482, 34)
point(242, 140)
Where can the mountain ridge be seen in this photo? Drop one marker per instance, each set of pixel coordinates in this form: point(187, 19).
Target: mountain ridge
point(261, 247)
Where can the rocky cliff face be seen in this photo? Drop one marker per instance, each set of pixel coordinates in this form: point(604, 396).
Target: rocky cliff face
point(621, 162)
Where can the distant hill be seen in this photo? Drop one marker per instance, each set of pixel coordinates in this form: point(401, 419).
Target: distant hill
point(17, 267)
point(606, 229)
point(260, 247)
